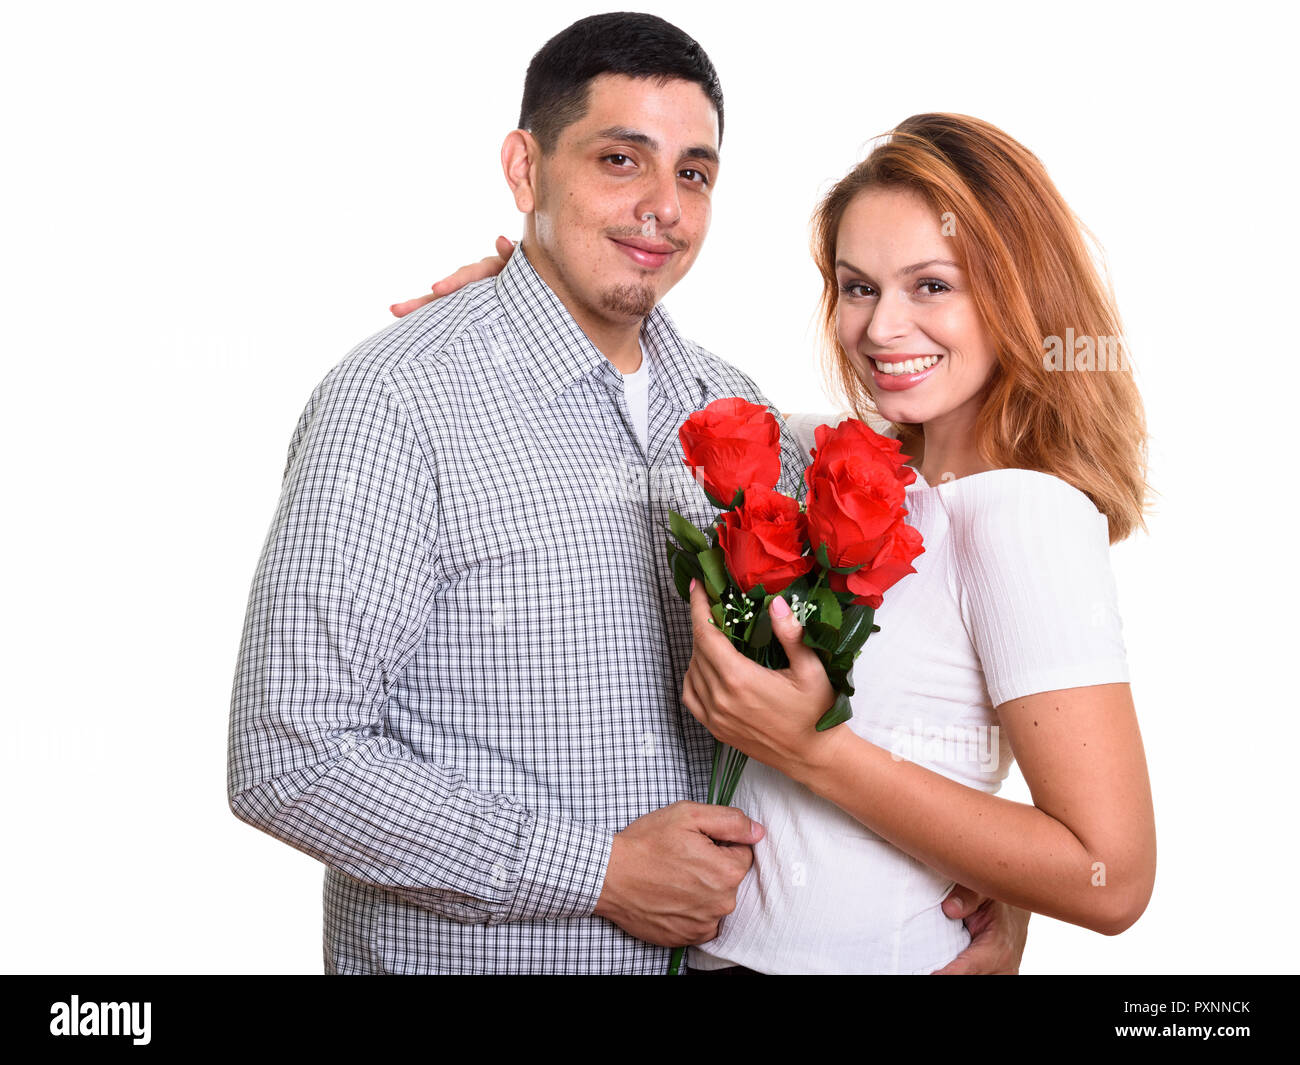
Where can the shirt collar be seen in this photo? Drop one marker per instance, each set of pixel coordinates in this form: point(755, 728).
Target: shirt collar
point(561, 352)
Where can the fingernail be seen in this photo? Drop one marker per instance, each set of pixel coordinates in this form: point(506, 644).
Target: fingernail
point(692, 584)
point(780, 608)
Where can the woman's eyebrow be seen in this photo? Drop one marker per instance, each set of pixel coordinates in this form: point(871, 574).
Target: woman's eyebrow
point(914, 268)
point(928, 262)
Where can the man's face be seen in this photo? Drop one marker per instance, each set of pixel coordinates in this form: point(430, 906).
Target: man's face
point(642, 148)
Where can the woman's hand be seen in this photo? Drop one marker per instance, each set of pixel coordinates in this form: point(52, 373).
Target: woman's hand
point(769, 714)
point(997, 935)
point(489, 266)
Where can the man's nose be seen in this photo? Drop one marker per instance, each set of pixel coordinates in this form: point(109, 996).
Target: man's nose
point(661, 200)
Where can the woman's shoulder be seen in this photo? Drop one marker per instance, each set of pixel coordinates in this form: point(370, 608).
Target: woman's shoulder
point(803, 424)
point(1020, 510)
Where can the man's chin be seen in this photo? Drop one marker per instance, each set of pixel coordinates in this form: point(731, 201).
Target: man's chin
point(629, 301)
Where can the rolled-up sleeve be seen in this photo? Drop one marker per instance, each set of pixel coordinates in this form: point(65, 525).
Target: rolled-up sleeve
point(341, 599)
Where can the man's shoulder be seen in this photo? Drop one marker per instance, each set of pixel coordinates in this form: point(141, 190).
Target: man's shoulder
point(722, 380)
point(720, 376)
point(433, 339)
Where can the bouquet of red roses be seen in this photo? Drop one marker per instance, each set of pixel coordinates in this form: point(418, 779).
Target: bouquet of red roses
point(832, 556)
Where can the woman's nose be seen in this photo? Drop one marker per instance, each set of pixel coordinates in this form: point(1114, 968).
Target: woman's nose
point(890, 321)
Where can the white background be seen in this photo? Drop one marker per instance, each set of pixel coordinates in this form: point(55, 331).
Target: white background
point(205, 206)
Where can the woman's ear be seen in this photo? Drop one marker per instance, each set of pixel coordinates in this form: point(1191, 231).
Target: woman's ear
point(520, 155)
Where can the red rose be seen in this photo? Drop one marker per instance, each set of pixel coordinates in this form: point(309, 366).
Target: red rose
point(732, 444)
point(764, 540)
point(853, 501)
point(893, 562)
point(852, 437)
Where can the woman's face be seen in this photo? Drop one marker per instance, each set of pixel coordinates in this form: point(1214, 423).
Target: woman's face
point(904, 299)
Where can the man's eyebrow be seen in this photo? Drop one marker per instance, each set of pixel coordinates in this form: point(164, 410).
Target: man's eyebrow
point(633, 136)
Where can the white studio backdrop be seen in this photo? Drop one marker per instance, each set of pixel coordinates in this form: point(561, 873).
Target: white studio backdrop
point(206, 206)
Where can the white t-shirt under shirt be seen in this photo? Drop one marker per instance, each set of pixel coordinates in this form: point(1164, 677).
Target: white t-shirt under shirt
point(1013, 595)
point(636, 389)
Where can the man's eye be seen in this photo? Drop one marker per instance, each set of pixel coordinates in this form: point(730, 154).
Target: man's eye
point(698, 176)
point(617, 159)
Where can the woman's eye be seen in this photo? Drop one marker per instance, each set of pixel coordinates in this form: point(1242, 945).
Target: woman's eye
point(933, 287)
point(856, 288)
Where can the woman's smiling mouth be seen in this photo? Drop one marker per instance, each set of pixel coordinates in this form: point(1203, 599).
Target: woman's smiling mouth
point(902, 371)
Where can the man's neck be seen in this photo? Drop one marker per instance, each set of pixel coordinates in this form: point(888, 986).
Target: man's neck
point(619, 340)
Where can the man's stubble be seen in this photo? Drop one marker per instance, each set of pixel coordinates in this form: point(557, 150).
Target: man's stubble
point(631, 301)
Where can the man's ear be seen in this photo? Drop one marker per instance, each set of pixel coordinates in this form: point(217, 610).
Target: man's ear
point(520, 158)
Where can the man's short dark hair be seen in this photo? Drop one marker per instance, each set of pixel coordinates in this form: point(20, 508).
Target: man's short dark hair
point(622, 42)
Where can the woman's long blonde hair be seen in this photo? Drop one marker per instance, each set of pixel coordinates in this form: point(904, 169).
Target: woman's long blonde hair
point(1032, 279)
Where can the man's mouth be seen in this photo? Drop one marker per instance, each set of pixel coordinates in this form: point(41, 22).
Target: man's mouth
point(644, 252)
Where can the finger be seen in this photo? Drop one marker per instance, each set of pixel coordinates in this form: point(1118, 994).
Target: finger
point(505, 247)
point(706, 652)
point(967, 963)
point(805, 664)
point(693, 700)
point(710, 641)
point(453, 282)
point(962, 901)
point(400, 310)
point(727, 824)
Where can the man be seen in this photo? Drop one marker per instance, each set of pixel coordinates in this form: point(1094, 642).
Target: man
point(459, 684)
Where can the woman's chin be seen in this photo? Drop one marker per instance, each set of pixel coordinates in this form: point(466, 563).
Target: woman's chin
point(901, 413)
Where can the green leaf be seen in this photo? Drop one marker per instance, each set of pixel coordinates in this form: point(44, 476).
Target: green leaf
point(736, 500)
point(797, 587)
point(839, 713)
point(820, 636)
point(853, 636)
point(823, 559)
point(714, 569)
point(828, 608)
point(719, 615)
point(682, 574)
point(760, 629)
point(687, 534)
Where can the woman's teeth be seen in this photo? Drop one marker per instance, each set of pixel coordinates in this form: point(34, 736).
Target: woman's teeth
point(907, 366)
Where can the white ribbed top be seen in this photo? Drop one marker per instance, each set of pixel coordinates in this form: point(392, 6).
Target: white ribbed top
point(1013, 595)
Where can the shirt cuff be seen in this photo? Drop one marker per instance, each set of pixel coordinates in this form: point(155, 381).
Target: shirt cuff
point(564, 871)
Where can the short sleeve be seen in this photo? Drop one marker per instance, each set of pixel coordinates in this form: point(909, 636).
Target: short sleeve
point(1034, 580)
point(804, 426)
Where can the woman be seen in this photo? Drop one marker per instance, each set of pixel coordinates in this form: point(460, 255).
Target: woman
point(952, 270)
point(954, 278)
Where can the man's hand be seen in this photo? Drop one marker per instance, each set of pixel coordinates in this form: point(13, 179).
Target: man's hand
point(998, 933)
point(669, 881)
point(488, 266)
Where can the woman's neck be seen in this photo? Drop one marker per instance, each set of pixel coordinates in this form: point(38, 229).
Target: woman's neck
point(943, 452)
